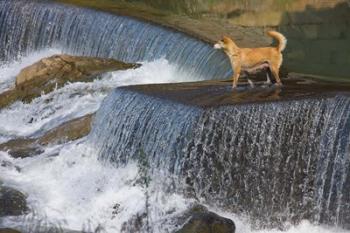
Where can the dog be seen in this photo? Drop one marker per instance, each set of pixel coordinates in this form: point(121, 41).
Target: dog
point(252, 59)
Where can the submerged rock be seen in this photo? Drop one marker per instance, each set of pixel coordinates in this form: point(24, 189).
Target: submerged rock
point(69, 131)
point(200, 220)
point(12, 202)
point(55, 71)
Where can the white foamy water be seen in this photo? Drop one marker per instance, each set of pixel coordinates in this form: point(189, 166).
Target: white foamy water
point(66, 185)
point(71, 188)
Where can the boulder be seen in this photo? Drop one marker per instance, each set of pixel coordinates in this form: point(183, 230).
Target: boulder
point(12, 202)
point(63, 68)
point(200, 220)
point(54, 72)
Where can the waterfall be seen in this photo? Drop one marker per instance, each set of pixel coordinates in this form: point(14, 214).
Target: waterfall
point(160, 132)
point(277, 162)
point(28, 26)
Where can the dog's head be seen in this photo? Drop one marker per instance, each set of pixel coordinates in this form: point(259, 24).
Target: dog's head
point(226, 43)
point(223, 43)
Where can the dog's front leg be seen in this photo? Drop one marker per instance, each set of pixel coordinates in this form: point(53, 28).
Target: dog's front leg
point(237, 72)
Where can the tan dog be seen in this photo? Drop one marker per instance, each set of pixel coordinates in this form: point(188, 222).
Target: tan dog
point(248, 59)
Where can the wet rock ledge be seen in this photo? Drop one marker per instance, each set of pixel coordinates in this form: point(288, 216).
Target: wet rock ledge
point(219, 93)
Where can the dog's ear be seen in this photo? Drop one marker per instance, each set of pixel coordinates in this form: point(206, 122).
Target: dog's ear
point(226, 39)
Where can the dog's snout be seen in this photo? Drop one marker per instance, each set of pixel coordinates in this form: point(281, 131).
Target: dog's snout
point(217, 46)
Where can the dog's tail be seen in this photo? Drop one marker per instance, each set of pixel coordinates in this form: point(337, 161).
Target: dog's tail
point(282, 41)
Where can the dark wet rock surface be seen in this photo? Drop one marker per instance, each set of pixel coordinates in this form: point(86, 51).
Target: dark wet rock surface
point(12, 202)
point(54, 72)
point(200, 220)
point(68, 131)
point(219, 93)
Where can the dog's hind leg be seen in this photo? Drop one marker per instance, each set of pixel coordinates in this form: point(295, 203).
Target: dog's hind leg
point(251, 83)
point(268, 79)
point(275, 71)
point(246, 74)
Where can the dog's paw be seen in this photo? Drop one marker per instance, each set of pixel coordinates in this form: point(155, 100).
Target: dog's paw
point(251, 84)
point(278, 84)
point(234, 87)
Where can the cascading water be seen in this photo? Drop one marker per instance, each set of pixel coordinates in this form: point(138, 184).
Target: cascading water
point(95, 183)
point(156, 131)
point(289, 160)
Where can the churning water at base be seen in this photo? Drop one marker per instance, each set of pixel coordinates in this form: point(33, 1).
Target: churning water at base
point(65, 182)
point(68, 187)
